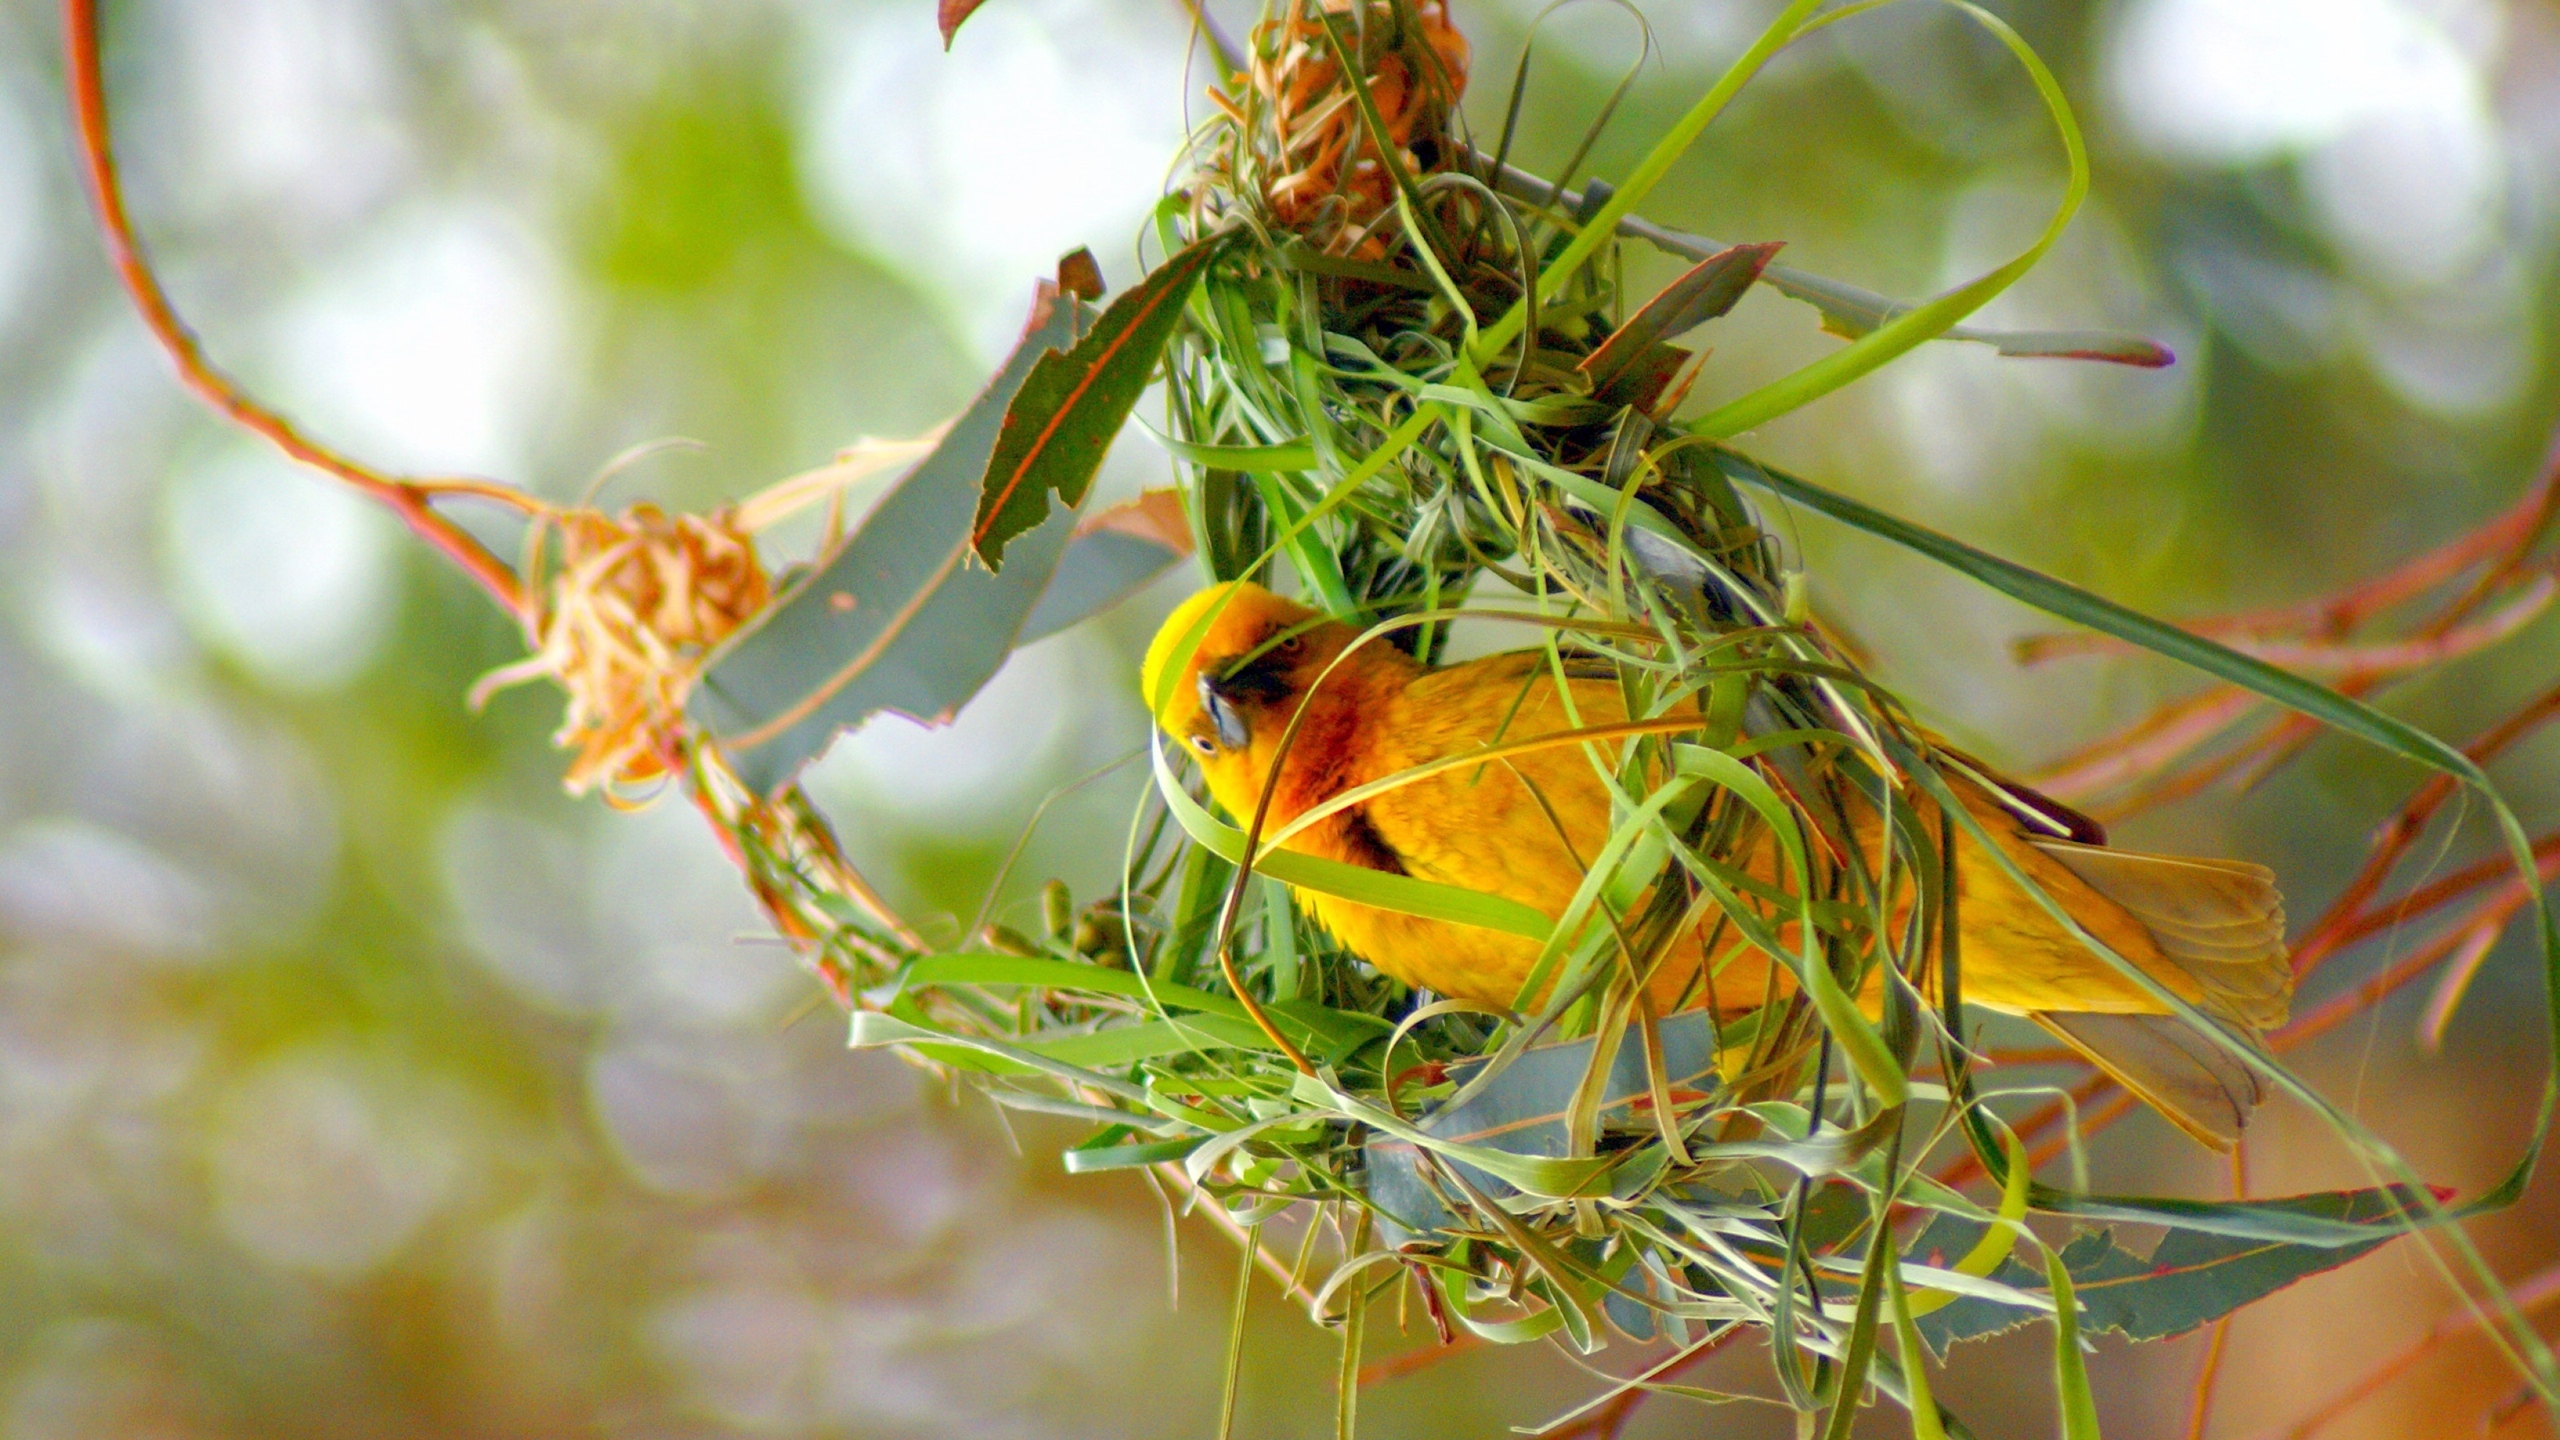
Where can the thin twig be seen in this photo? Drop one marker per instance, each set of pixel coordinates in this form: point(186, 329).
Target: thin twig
point(2141, 762)
point(1418, 1359)
point(2528, 1295)
point(2507, 536)
point(2211, 1371)
point(2147, 747)
point(2336, 927)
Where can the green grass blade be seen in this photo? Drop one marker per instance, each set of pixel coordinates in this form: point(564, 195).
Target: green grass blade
point(1062, 975)
point(2079, 1408)
point(1657, 163)
point(871, 1028)
point(1252, 1248)
point(1865, 1049)
point(1862, 1337)
point(1931, 318)
point(1346, 1381)
point(1915, 1362)
point(2070, 602)
point(1290, 457)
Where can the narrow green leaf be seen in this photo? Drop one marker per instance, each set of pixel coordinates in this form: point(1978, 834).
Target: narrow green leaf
point(2058, 597)
point(1991, 1252)
point(1069, 408)
point(1536, 1325)
point(2070, 1368)
point(870, 1029)
point(1289, 457)
point(1117, 1046)
point(1915, 1363)
point(1580, 1315)
point(1128, 1157)
point(1706, 290)
point(1049, 974)
point(1649, 172)
point(1854, 1366)
point(1250, 1251)
point(1932, 317)
point(1849, 1026)
point(1326, 1028)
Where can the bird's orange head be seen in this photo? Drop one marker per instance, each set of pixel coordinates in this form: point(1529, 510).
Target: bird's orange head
point(1227, 671)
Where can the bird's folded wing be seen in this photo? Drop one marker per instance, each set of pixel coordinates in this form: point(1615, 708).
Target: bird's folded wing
point(2201, 1087)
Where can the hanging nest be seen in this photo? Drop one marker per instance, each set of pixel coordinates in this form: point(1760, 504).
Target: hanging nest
point(1371, 253)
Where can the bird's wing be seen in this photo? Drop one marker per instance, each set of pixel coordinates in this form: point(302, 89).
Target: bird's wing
point(1522, 825)
point(2198, 1085)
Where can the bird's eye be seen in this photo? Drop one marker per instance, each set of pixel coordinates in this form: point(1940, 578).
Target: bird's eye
point(1204, 744)
point(1291, 645)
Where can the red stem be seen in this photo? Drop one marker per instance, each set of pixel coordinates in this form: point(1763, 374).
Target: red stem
point(2526, 1295)
point(2343, 924)
point(406, 498)
point(2513, 532)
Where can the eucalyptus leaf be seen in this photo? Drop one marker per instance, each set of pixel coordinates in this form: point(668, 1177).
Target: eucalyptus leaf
point(1706, 290)
point(897, 617)
point(1524, 1111)
point(1068, 409)
point(2191, 1278)
point(1112, 555)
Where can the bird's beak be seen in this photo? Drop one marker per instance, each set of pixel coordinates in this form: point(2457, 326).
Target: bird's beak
point(1232, 731)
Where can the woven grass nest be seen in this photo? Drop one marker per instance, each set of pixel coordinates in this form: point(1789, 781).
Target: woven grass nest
point(1409, 378)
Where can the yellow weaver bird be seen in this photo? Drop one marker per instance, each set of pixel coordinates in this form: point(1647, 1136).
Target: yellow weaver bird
point(1525, 826)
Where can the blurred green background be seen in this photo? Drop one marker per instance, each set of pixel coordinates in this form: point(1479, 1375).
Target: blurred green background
point(354, 1082)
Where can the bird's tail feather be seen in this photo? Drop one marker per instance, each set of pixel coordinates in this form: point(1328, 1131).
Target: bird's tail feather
point(2202, 1088)
point(2219, 921)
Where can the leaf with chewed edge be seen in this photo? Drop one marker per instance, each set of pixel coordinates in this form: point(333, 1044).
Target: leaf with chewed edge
point(2192, 1277)
point(1070, 407)
point(897, 617)
point(1113, 553)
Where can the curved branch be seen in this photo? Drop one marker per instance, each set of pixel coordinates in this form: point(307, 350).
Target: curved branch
point(407, 498)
